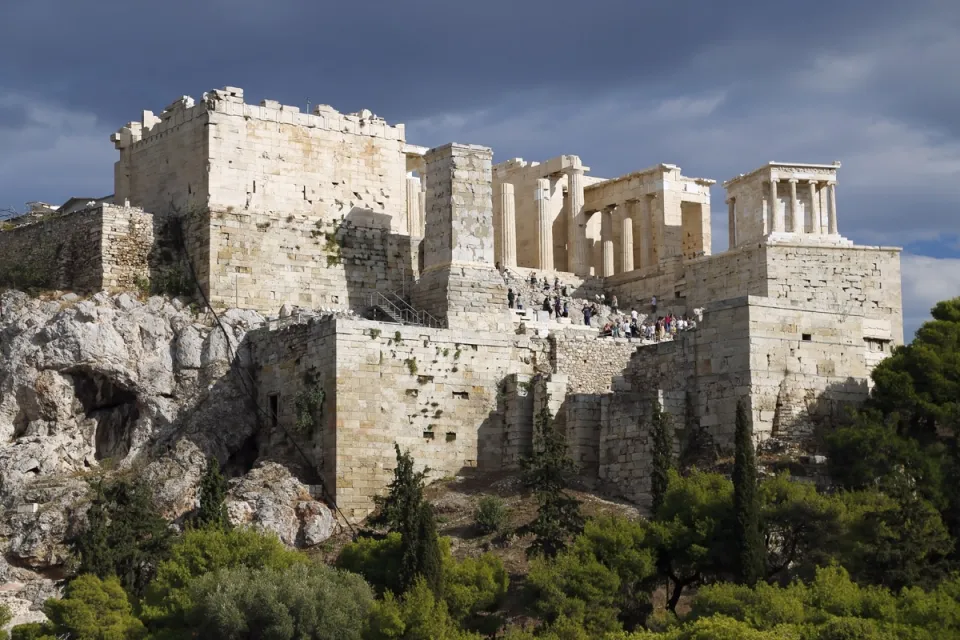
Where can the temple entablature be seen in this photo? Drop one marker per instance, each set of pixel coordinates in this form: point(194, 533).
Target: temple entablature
point(784, 202)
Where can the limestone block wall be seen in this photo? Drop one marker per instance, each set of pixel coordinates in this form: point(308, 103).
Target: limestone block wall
point(291, 362)
point(299, 207)
point(589, 364)
point(88, 250)
point(861, 279)
point(459, 282)
point(805, 365)
point(163, 160)
point(624, 447)
point(261, 261)
point(435, 392)
point(582, 414)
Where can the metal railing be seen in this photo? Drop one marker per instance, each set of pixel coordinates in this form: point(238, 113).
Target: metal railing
point(401, 311)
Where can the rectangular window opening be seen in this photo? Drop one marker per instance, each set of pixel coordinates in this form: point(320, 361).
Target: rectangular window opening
point(806, 337)
point(428, 435)
point(462, 395)
point(451, 436)
point(274, 409)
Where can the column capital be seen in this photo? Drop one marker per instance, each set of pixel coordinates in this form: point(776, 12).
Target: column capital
point(812, 181)
point(572, 170)
point(793, 180)
point(830, 183)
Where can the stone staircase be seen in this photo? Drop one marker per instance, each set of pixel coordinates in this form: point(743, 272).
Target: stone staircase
point(392, 307)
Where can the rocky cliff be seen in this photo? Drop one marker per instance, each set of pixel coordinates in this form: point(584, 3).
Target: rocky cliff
point(112, 384)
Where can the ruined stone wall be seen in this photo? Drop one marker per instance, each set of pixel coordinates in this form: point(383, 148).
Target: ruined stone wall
point(300, 208)
point(163, 165)
point(437, 393)
point(87, 250)
point(127, 240)
point(291, 363)
point(590, 364)
point(460, 283)
point(805, 365)
point(261, 261)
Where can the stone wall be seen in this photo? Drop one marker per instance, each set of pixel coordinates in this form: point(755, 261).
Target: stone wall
point(88, 250)
point(860, 279)
point(590, 363)
point(460, 283)
point(438, 393)
point(293, 362)
point(308, 209)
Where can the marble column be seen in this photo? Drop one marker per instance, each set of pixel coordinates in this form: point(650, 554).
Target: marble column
point(508, 226)
point(776, 215)
point(795, 226)
point(606, 237)
point(413, 206)
point(544, 226)
point(578, 261)
point(643, 215)
point(832, 208)
point(423, 206)
point(732, 222)
point(815, 221)
point(626, 243)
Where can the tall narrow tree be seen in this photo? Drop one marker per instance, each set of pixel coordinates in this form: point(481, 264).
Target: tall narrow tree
point(749, 541)
point(549, 472)
point(662, 436)
point(213, 492)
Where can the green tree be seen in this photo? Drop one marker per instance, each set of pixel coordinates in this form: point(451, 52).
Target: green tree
point(5, 618)
point(473, 586)
point(377, 560)
point(425, 559)
point(201, 551)
point(403, 510)
point(124, 536)
point(575, 588)
point(418, 615)
point(802, 528)
point(750, 548)
point(549, 472)
point(895, 539)
point(920, 382)
point(693, 535)
point(213, 493)
point(662, 461)
point(625, 547)
point(302, 602)
point(93, 609)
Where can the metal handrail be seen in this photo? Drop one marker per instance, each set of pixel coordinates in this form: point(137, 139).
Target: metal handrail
point(405, 313)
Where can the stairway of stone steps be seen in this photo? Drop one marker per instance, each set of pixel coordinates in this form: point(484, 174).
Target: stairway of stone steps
point(532, 298)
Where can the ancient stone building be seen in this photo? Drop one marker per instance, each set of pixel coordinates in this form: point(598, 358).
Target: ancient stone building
point(390, 252)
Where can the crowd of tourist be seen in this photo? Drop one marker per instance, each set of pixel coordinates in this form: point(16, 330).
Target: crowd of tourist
point(602, 312)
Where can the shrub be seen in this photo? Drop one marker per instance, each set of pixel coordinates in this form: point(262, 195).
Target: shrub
point(305, 601)
point(93, 609)
point(492, 514)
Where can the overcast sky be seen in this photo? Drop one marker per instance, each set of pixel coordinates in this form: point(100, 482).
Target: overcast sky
point(718, 88)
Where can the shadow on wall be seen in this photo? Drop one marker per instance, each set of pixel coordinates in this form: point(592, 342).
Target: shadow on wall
point(373, 258)
point(803, 414)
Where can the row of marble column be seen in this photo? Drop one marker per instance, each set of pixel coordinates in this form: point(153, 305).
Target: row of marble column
point(577, 238)
point(796, 223)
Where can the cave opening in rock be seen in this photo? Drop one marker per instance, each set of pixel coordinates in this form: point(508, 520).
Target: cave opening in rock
point(242, 460)
point(114, 408)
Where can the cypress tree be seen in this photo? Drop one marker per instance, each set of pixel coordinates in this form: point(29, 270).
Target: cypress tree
point(428, 553)
point(548, 473)
point(748, 539)
point(213, 493)
point(662, 437)
point(405, 511)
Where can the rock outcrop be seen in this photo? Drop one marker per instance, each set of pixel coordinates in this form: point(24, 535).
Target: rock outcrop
point(114, 383)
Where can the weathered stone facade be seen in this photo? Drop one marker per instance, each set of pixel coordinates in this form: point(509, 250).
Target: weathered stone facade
point(338, 213)
point(101, 248)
